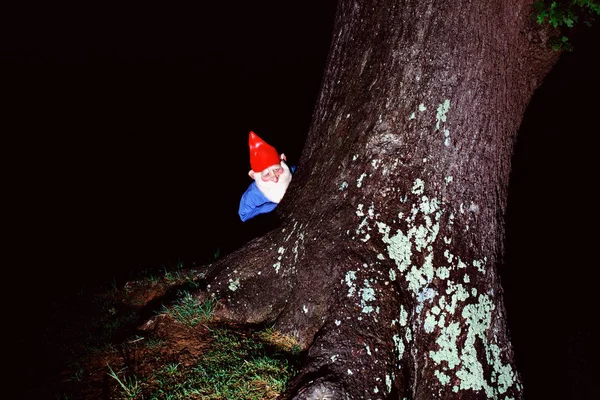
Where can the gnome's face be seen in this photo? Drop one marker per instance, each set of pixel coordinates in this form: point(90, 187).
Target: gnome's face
point(273, 181)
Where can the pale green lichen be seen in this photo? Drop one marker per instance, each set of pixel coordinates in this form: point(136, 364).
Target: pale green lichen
point(449, 256)
point(277, 265)
point(399, 346)
point(398, 246)
point(412, 116)
point(371, 210)
point(234, 285)
point(480, 264)
point(392, 274)
point(422, 107)
point(442, 110)
point(350, 278)
point(344, 185)
point(446, 342)
point(367, 295)
point(292, 231)
point(419, 277)
point(403, 316)
point(442, 377)
point(418, 187)
point(360, 179)
point(442, 302)
point(359, 210)
point(429, 323)
point(459, 294)
point(364, 223)
point(441, 320)
point(420, 236)
point(443, 272)
point(428, 206)
point(478, 320)
point(505, 375)
point(295, 249)
point(427, 294)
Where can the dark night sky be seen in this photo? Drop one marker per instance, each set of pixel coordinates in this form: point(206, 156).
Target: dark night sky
point(115, 117)
point(132, 125)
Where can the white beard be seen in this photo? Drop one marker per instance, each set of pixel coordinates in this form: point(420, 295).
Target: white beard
point(274, 191)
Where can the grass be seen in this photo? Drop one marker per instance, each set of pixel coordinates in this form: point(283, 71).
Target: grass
point(129, 385)
point(237, 367)
point(190, 311)
point(100, 352)
point(281, 341)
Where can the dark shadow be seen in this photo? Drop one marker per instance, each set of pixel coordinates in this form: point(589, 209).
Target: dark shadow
point(552, 224)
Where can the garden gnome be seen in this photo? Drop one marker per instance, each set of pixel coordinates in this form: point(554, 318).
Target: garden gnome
point(271, 177)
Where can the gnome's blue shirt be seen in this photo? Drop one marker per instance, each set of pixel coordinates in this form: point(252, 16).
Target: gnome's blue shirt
point(253, 202)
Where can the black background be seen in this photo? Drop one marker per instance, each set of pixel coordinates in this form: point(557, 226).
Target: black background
point(125, 146)
point(132, 126)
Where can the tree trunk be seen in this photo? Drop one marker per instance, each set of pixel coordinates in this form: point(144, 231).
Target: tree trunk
point(385, 265)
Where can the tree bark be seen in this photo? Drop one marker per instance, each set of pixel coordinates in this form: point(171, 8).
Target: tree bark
point(385, 264)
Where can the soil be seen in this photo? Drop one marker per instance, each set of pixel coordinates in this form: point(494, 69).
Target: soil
point(123, 329)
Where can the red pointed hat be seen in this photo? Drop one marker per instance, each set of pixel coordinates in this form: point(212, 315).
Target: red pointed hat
point(262, 154)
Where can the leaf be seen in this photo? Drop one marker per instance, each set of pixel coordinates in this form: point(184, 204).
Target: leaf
point(569, 22)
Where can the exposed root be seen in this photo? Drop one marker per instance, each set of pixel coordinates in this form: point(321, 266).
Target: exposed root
point(320, 389)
